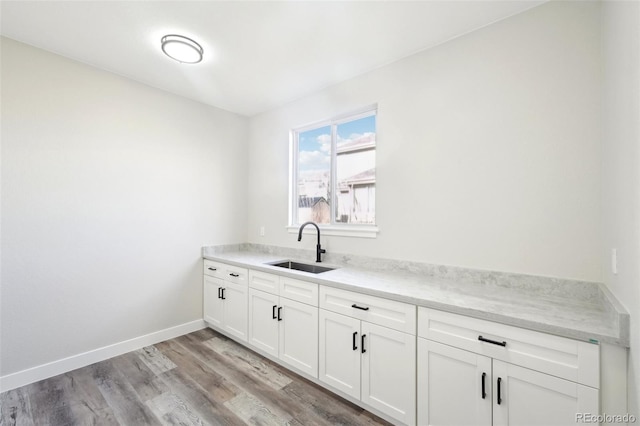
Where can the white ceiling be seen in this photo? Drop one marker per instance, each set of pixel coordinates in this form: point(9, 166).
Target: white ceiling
point(258, 55)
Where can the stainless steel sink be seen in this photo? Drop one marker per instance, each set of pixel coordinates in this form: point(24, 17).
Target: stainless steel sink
point(305, 267)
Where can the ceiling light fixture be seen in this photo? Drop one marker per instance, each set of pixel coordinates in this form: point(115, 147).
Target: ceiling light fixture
point(182, 49)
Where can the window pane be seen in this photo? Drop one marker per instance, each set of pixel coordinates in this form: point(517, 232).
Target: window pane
point(314, 175)
point(356, 171)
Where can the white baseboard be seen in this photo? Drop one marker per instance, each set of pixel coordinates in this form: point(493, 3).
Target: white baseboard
point(34, 374)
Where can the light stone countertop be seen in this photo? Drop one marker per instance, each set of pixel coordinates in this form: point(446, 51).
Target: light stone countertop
point(579, 310)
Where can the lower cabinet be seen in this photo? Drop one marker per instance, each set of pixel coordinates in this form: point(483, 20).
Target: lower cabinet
point(285, 329)
point(213, 309)
point(225, 306)
point(528, 397)
point(369, 362)
point(454, 386)
point(482, 385)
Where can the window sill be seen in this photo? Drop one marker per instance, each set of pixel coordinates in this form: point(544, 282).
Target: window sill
point(363, 231)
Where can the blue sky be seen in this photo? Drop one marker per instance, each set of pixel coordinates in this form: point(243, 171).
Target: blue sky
point(357, 127)
point(315, 145)
point(309, 140)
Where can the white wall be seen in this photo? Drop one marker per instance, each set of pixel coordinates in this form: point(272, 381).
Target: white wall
point(621, 167)
point(109, 189)
point(488, 150)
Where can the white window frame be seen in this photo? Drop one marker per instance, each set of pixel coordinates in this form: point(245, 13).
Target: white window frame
point(334, 228)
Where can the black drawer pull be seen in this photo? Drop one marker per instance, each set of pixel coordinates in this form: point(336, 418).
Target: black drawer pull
point(499, 396)
point(484, 392)
point(362, 343)
point(212, 269)
point(279, 311)
point(222, 291)
point(359, 307)
point(234, 275)
point(219, 292)
point(273, 312)
point(494, 342)
point(354, 344)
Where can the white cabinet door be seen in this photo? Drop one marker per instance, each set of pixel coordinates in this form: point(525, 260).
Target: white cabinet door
point(263, 322)
point(298, 324)
point(340, 352)
point(454, 386)
point(234, 302)
point(528, 397)
point(212, 302)
point(389, 371)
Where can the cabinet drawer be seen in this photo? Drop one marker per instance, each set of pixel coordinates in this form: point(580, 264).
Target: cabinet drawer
point(388, 313)
point(236, 275)
point(559, 356)
point(213, 269)
point(265, 282)
point(302, 291)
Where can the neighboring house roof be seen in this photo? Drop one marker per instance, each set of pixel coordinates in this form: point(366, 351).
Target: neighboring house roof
point(310, 201)
point(367, 141)
point(368, 176)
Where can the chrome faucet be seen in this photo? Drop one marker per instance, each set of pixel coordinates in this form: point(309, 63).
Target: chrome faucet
point(319, 250)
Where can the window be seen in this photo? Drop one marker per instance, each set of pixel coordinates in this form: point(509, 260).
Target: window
point(334, 172)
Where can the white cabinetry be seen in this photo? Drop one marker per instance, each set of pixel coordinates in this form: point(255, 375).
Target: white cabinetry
point(283, 320)
point(528, 397)
point(457, 371)
point(225, 298)
point(212, 301)
point(364, 359)
point(454, 386)
point(478, 372)
point(264, 330)
point(340, 360)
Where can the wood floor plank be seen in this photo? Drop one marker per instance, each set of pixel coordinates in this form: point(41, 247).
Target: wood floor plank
point(173, 410)
point(127, 408)
point(311, 412)
point(50, 401)
point(253, 412)
point(146, 383)
point(86, 401)
point(155, 360)
point(204, 334)
point(216, 385)
point(15, 408)
point(368, 418)
point(248, 382)
point(324, 405)
point(207, 408)
point(252, 362)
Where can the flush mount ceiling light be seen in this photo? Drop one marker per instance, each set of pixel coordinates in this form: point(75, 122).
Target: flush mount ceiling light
point(182, 49)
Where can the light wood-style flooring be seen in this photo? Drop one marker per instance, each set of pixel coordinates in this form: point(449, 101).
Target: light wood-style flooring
point(202, 378)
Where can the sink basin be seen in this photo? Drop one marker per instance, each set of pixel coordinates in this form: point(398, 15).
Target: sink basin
point(305, 267)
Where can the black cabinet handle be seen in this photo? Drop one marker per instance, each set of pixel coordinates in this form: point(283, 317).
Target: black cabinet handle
point(499, 396)
point(484, 392)
point(273, 312)
point(279, 311)
point(359, 307)
point(494, 342)
point(234, 275)
point(222, 291)
point(219, 292)
point(362, 343)
point(354, 344)
point(212, 269)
